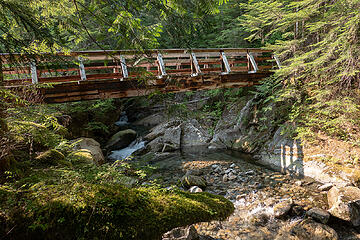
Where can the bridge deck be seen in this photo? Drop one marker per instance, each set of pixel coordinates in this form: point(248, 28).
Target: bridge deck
point(116, 74)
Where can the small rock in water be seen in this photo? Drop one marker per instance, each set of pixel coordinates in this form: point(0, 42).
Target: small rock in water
point(182, 233)
point(195, 189)
point(319, 215)
point(231, 176)
point(307, 229)
point(214, 166)
point(282, 208)
point(233, 165)
point(299, 183)
point(251, 172)
point(326, 187)
point(229, 170)
point(225, 178)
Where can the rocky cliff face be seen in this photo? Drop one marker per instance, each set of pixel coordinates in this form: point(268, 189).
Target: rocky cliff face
point(240, 130)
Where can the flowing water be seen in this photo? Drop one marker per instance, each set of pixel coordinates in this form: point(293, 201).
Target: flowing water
point(253, 189)
point(126, 152)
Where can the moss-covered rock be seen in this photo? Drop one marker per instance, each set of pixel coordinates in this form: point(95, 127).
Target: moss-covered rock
point(74, 205)
point(50, 157)
point(88, 150)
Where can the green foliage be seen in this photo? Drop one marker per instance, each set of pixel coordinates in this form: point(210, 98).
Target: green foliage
point(319, 47)
point(39, 131)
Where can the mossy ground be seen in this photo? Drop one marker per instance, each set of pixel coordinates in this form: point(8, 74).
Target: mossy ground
point(92, 202)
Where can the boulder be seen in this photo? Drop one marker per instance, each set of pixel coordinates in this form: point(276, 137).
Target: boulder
point(193, 134)
point(182, 233)
point(88, 150)
point(344, 203)
point(160, 129)
point(307, 230)
point(164, 138)
point(319, 215)
point(121, 139)
point(151, 120)
point(190, 180)
point(282, 208)
point(50, 157)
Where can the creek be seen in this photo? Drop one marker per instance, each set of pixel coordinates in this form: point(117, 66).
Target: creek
point(255, 191)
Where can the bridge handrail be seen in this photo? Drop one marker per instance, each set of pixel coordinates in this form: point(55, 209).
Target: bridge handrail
point(159, 62)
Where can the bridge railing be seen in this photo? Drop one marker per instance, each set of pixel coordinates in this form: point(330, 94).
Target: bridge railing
point(129, 64)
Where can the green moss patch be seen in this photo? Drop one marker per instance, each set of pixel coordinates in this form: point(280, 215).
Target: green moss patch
point(91, 202)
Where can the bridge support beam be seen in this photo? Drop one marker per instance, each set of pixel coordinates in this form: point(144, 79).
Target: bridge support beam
point(194, 65)
point(251, 59)
point(123, 67)
point(160, 61)
point(82, 69)
point(225, 63)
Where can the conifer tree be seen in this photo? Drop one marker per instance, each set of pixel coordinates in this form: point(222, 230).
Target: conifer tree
point(318, 43)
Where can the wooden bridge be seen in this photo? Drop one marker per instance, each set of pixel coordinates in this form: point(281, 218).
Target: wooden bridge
point(90, 75)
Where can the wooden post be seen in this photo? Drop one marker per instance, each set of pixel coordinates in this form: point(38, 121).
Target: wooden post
point(161, 64)
point(277, 61)
point(116, 67)
point(82, 69)
point(123, 67)
point(1, 74)
point(34, 76)
point(253, 63)
point(225, 63)
point(194, 65)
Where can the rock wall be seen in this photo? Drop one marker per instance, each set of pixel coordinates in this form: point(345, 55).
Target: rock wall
point(240, 130)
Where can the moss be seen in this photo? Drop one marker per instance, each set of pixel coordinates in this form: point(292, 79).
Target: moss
point(50, 157)
point(82, 156)
point(67, 204)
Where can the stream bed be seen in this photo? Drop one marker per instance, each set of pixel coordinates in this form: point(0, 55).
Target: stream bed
point(255, 192)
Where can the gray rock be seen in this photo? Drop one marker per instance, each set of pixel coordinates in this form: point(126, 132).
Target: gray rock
point(232, 176)
point(190, 180)
point(225, 178)
point(182, 233)
point(121, 139)
point(228, 170)
point(282, 208)
point(344, 203)
point(233, 165)
point(307, 230)
point(193, 134)
point(319, 215)
point(195, 189)
point(160, 129)
point(151, 120)
point(326, 187)
point(88, 146)
point(195, 172)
